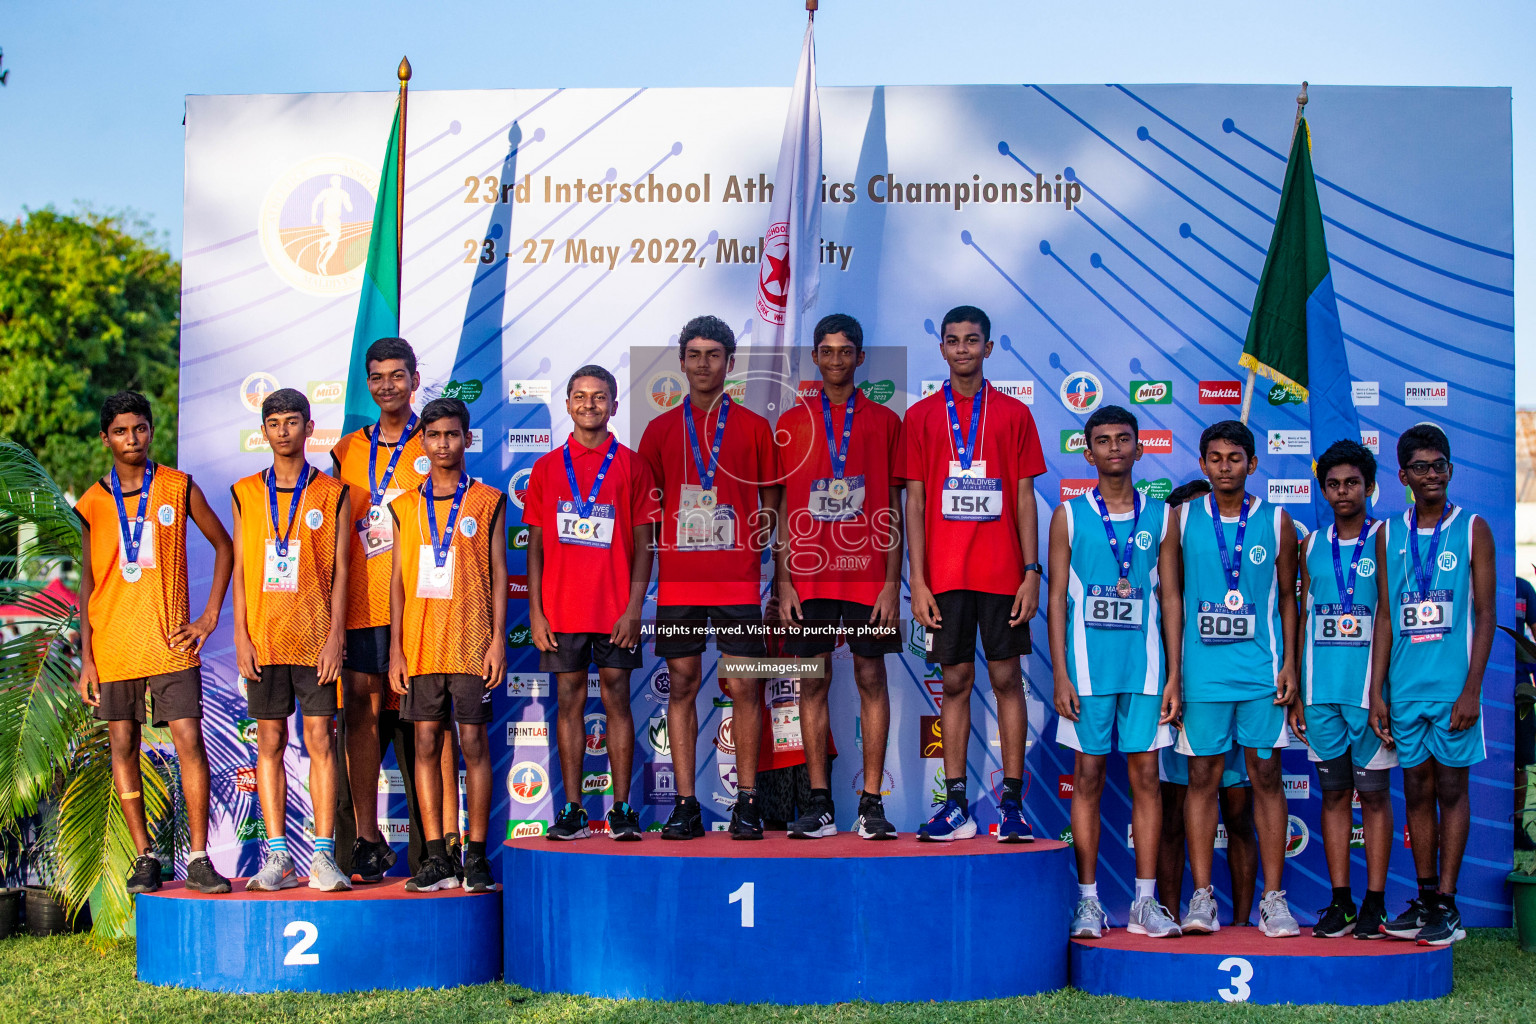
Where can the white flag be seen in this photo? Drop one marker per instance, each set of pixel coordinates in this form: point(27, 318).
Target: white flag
point(789, 273)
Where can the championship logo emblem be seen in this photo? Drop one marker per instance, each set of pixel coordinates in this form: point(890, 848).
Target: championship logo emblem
point(315, 223)
point(1081, 391)
point(255, 389)
point(527, 782)
point(666, 390)
point(773, 275)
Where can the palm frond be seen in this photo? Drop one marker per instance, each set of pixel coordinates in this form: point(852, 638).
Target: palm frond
point(40, 713)
point(33, 505)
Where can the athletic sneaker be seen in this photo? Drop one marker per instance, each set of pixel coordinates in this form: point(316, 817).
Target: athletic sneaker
point(746, 819)
point(435, 875)
point(1335, 920)
point(570, 823)
point(1201, 915)
point(455, 848)
point(1011, 826)
point(1089, 920)
point(685, 822)
point(1407, 924)
point(325, 875)
point(871, 823)
point(203, 877)
point(145, 876)
point(1368, 926)
point(624, 823)
point(815, 823)
point(371, 860)
point(1151, 918)
point(277, 873)
point(1275, 917)
point(477, 875)
point(949, 823)
point(1442, 926)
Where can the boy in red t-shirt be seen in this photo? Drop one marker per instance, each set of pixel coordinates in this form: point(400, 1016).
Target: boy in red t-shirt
point(590, 512)
point(972, 456)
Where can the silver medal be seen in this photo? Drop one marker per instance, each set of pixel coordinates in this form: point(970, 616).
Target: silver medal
point(1233, 600)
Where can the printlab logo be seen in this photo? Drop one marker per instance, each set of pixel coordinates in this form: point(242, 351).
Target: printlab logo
point(1081, 392)
point(1023, 390)
point(1426, 392)
point(1297, 787)
point(1151, 392)
point(315, 222)
point(1371, 441)
point(1290, 492)
point(527, 734)
point(526, 440)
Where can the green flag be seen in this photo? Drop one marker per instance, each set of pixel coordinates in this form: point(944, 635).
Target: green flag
point(378, 307)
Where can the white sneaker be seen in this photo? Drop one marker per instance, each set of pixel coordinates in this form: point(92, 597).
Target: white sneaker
point(1151, 918)
point(277, 873)
point(1201, 915)
point(1089, 920)
point(1275, 917)
point(325, 875)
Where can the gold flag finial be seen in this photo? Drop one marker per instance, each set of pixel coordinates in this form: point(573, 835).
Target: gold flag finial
point(404, 71)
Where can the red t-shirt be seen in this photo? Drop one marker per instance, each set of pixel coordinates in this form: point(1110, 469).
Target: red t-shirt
point(841, 559)
point(585, 587)
point(727, 575)
point(973, 555)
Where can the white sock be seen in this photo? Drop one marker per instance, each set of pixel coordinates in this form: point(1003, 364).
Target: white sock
point(1146, 888)
point(195, 854)
point(1088, 892)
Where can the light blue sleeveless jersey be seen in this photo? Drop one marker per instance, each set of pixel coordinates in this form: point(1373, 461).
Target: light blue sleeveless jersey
point(1231, 656)
point(1336, 657)
point(1423, 667)
point(1114, 644)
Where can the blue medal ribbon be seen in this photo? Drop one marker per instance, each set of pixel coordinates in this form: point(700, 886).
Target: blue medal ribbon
point(1347, 587)
point(293, 506)
point(705, 467)
point(839, 452)
point(963, 451)
point(1421, 576)
point(377, 487)
point(442, 544)
point(1130, 538)
point(584, 508)
point(133, 537)
point(1231, 564)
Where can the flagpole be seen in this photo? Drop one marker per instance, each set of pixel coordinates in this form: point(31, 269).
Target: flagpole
point(404, 74)
point(1301, 106)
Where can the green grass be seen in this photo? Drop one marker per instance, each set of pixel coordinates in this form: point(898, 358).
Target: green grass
point(65, 979)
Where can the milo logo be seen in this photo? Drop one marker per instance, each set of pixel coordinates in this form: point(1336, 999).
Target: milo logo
point(1073, 441)
point(525, 829)
point(1151, 392)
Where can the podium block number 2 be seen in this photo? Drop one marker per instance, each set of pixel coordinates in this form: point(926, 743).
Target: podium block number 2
point(1241, 973)
point(299, 955)
point(745, 896)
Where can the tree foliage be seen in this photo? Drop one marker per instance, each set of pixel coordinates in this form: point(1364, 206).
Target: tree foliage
point(89, 304)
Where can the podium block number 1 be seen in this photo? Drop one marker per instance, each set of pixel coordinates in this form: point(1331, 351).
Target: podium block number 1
point(744, 895)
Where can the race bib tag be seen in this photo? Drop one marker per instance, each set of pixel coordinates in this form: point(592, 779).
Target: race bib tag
point(1425, 621)
point(972, 499)
point(832, 499)
point(1332, 627)
point(702, 523)
point(377, 528)
point(594, 531)
point(1219, 624)
point(785, 720)
point(146, 559)
point(281, 573)
point(1105, 608)
point(977, 470)
point(432, 581)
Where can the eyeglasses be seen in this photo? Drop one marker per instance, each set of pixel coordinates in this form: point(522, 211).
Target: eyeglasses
point(1439, 466)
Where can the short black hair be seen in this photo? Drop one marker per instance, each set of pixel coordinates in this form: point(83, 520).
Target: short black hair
point(1235, 431)
point(711, 328)
point(1110, 416)
point(130, 402)
point(285, 400)
point(442, 409)
point(593, 370)
point(390, 348)
point(1188, 492)
point(839, 323)
point(1348, 453)
point(1422, 436)
point(967, 315)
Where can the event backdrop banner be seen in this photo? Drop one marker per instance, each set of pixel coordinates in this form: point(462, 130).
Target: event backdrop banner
point(1113, 233)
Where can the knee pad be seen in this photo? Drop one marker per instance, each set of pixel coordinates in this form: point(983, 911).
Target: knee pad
point(1337, 774)
point(1373, 780)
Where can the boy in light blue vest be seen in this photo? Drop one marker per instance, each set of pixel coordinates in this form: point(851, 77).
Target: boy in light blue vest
point(1432, 642)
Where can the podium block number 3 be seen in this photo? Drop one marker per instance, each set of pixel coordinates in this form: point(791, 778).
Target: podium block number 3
point(1241, 971)
point(745, 896)
point(299, 955)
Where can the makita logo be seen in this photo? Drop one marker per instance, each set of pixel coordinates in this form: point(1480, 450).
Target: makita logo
point(1220, 392)
point(517, 588)
point(1157, 442)
point(1151, 392)
point(1073, 488)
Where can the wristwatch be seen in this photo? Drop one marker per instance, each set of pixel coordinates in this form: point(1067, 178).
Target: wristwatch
point(1035, 567)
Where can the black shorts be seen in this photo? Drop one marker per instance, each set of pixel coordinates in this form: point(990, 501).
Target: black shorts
point(430, 696)
point(741, 645)
point(962, 614)
point(578, 651)
point(830, 611)
point(367, 650)
point(173, 696)
point(272, 696)
point(1342, 775)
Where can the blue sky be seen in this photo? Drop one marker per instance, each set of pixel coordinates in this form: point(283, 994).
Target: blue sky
point(92, 113)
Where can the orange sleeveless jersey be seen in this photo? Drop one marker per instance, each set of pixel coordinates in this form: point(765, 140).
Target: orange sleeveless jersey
point(131, 621)
point(368, 579)
point(450, 635)
point(289, 628)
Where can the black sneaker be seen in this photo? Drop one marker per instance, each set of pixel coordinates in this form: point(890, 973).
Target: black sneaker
point(145, 876)
point(1442, 926)
point(455, 849)
point(1372, 917)
point(871, 823)
point(624, 823)
point(1335, 920)
point(477, 875)
point(685, 822)
point(1407, 924)
point(815, 823)
point(746, 819)
point(371, 860)
point(202, 877)
point(435, 875)
point(570, 823)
